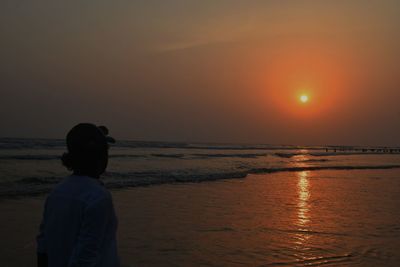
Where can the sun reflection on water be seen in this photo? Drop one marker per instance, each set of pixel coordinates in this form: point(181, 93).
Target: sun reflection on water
point(304, 194)
point(303, 211)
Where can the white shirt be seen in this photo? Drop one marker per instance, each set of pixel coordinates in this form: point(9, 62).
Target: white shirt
point(79, 225)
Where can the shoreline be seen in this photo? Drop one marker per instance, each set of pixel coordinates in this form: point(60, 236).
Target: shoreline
point(203, 178)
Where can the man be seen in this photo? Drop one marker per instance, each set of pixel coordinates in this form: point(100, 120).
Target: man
point(79, 223)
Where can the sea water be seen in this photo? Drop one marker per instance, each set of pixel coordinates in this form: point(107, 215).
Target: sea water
point(284, 206)
point(32, 166)
point(304, 218)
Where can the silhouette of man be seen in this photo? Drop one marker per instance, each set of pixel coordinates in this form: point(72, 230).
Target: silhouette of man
point(79, 223)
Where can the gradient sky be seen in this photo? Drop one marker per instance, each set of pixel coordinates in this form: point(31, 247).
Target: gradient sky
point(210, 70)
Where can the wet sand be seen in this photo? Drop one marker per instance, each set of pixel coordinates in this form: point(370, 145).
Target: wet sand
point(333, 218)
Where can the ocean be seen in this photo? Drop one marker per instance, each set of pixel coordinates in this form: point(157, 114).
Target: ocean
point(221, 204)
point(33, 166)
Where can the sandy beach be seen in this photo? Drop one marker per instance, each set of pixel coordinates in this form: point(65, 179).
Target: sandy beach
point(338, 218)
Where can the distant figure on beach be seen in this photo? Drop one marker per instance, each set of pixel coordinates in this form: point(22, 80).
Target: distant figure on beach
point(79, 223)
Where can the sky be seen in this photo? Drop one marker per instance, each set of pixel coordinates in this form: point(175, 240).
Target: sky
point(203, 71)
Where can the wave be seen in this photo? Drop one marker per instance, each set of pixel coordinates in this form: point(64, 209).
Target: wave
point(342, 260)
point(24, 143)
point(36, 185)
point(177, 156)
point(321, 168)
point(242, 155)
point(314, 160)
point(321, 154)
point(57, 157)
point(209, 146)
point(327, 154)
point(156, 155)
point(127, 156)
point(29, 157)
point(38, 181)
point(28, 143)
point(200, 156)
point(287, 155)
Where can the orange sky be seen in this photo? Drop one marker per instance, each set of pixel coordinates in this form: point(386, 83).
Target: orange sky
point(220, 71)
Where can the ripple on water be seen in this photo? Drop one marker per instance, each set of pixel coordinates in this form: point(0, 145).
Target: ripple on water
point(316, 261)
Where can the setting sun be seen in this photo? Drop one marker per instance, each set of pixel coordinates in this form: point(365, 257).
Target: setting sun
point(304, 98)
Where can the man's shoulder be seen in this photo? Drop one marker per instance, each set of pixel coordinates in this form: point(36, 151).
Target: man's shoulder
point(81, 188)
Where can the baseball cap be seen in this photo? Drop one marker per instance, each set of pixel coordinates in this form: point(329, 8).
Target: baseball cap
point(87, 136)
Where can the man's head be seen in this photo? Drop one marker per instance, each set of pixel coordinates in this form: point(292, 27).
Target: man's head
point(87, 147)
